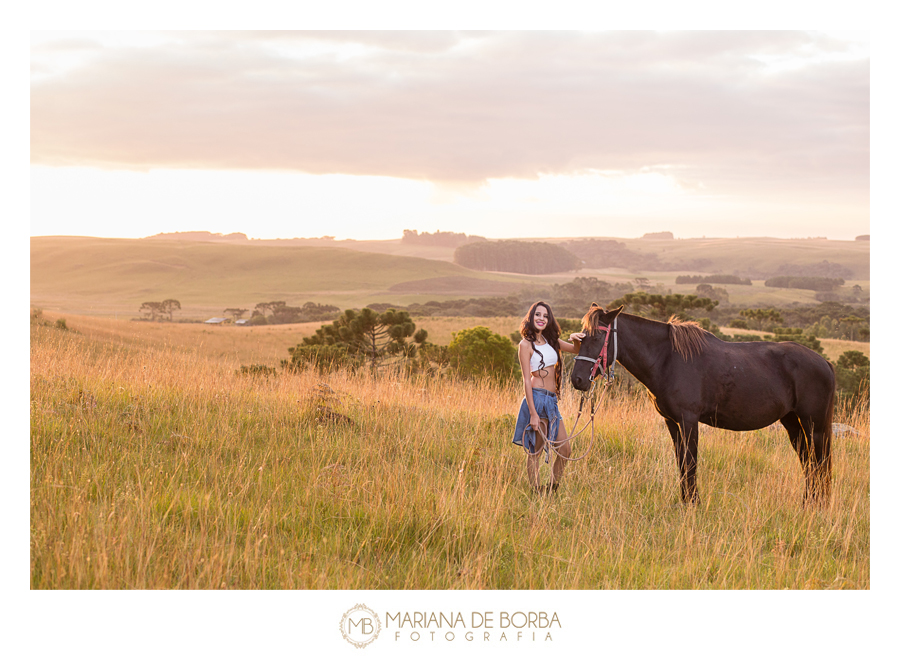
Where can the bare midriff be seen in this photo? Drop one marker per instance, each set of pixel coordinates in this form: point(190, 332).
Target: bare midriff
point(545, 379)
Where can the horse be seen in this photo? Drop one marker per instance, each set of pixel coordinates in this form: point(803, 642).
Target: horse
point(694, 377)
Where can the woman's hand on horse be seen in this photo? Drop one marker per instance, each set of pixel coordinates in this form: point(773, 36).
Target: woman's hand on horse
point(577, 337)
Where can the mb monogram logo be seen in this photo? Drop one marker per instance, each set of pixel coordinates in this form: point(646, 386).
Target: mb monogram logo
point(360, 626)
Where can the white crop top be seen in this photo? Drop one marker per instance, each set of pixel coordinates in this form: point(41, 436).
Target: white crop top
point(549, 353)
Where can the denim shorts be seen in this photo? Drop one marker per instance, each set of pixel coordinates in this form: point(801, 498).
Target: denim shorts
point(547, 409)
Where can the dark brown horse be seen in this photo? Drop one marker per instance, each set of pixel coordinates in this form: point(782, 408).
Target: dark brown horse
point(693, 377)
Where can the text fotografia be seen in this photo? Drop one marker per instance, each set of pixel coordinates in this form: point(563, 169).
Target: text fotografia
point(480, 626)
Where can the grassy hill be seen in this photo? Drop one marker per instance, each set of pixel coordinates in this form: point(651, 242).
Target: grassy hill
point(725, 255)
point(104, 276)
point(94, 276)
point(704, 255)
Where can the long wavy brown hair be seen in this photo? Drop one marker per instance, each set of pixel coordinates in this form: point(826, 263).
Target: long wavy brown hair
point(550, 333)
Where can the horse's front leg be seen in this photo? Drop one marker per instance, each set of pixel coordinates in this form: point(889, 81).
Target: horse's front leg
point(685, 439)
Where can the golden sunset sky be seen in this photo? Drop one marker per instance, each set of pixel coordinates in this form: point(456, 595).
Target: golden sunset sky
point(362, 134)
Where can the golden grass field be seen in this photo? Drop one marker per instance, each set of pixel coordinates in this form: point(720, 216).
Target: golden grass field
point(155, 465)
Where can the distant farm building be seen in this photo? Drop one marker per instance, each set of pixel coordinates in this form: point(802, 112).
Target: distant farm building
point(216, 321)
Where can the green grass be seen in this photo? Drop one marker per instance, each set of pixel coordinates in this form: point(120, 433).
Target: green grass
point(159, 467)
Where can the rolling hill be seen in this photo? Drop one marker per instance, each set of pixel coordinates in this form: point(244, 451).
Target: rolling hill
point(96, 276)
point(103, 276)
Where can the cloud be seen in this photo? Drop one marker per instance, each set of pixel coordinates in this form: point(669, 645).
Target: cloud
point(727, 110)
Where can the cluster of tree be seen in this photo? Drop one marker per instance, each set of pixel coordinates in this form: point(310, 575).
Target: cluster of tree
point(854, 295)
point(761, 319)
point(358, 337)
point(820, 269)
point(804, 316)
point(439, 238)
point(281, 313)
point(714, 278)
point(516, 256)
point(163, 310)
point(718, 294)
point(805, 282)
point(610, 253)
point(823, 268)
point(827, 320)
point(480, 353)
point(847, 327)
point(376, 340)
point(846, 324)
point(852, 373)
point(479, 307)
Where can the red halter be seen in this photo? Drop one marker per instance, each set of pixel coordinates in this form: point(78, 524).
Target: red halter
point(602, 360)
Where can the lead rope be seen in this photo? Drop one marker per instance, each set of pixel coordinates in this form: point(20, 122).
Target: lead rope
point(552, 445)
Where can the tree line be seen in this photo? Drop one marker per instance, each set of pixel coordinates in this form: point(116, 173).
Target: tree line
point(278, 312)
point(826, 320)
point(516, 256)
point(156, 311)
point(819, 283)
point(439, 238)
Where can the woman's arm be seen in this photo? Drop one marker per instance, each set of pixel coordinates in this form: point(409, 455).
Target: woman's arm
point(574, 346)
point(525, 351)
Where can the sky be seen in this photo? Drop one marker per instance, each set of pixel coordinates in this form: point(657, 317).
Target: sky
point(362, 134)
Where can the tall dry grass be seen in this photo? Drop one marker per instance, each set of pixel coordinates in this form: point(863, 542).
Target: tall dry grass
point(156, 466)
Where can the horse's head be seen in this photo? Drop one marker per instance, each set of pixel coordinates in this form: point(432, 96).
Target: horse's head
point(596, 324)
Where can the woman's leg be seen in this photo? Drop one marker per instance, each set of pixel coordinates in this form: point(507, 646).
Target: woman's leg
point(564, 448)
point(534, 460)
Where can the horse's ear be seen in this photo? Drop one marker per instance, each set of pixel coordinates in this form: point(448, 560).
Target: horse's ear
point(614, 312)
point(595, 305)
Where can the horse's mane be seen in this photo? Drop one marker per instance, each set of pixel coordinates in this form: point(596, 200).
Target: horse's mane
point(591, 320)
point(688, 338)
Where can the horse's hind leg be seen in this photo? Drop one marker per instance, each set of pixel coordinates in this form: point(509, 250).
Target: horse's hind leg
point(684, 437)
point(819, 476)
point(821, 465)
point(802, 438)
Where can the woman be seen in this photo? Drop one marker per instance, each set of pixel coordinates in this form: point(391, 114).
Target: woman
point(539, 417)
